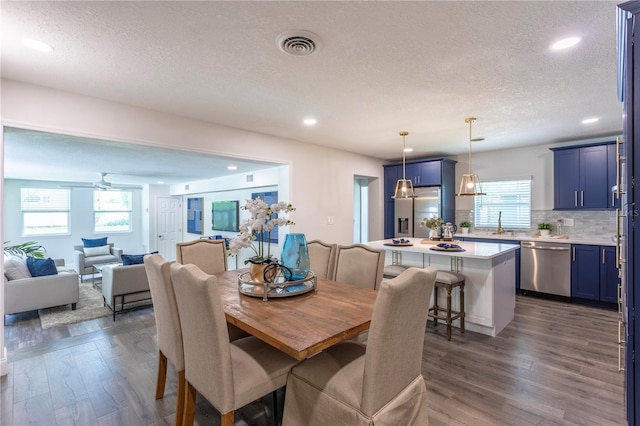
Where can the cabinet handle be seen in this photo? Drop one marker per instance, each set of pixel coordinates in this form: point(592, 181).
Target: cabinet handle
point(618, 265)
point(603, 256)
point(575, 198)
point(618, 141)
point(574, 253)
point(581, 198)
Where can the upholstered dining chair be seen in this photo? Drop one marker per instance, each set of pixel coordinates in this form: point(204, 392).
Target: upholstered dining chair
point(167, 327)
point(322, 257)
point(208, 255)
point(380, 383)
point(359, 265)
point(228, 374)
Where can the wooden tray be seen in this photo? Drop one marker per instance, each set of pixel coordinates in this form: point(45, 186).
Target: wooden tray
point(436, 248)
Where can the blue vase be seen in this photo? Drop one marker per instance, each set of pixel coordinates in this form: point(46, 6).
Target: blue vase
point(295, 255)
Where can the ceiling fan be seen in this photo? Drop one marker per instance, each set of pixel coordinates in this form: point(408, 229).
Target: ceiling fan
point(102, 185)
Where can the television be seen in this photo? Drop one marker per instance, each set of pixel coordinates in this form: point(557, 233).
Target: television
point(225, 216)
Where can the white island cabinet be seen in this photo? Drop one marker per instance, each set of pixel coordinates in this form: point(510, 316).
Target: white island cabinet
point(490, 274)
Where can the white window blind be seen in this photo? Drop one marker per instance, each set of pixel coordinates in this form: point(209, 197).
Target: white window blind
point(511, 197)
point(45, 211)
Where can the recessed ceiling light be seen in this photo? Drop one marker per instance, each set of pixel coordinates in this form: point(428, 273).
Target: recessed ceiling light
point(160, 182)
point(590, 120)
point(37, 45)
point(565, 43)
point(310, 121)
point(408, 150)
point(232, 167)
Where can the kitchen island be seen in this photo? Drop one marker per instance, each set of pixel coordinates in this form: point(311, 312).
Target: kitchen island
point(489, 268)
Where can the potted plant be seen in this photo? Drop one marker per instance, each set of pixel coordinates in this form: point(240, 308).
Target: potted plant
point(28, 249)
point(545, 229)
point(464, 227)
point(258, 228)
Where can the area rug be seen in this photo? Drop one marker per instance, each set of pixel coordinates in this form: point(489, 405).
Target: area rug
point(90, 306)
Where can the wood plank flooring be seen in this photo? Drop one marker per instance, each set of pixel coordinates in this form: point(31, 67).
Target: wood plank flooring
point(555, 364)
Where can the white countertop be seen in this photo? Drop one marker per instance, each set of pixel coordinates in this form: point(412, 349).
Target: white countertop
point(598, 240)
point(471, 249)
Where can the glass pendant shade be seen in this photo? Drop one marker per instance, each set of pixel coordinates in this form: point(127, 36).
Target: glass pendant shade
point(295, 255)
point(470, 184)
point(404, 186)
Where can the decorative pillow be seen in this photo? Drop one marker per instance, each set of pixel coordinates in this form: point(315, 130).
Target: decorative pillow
point(96, 242)
point(97, 251)
point(132, 259)
point(16, 268)
point(41, 267)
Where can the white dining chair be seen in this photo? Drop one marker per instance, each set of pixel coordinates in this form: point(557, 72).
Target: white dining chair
point(380, 383)
point(322, 257)
point(360, 265)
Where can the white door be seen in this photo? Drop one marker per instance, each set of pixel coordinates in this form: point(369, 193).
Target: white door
point(169, 220)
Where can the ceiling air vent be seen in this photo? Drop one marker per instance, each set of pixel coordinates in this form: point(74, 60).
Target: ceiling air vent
point(298, 42)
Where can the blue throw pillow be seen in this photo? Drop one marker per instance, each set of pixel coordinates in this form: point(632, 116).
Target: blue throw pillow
point(132, 259)
point(41, 267)
point(96, 242)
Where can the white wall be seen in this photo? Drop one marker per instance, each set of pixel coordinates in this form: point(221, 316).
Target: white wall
point(320, 179)
point(81, 222)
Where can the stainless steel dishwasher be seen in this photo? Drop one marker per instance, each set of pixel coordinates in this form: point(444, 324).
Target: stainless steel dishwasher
point(545, 267)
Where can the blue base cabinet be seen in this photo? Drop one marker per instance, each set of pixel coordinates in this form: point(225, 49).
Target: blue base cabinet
point(593, 273)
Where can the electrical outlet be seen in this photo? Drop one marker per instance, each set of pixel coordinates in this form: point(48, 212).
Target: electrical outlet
point(330, 220)
point(568, 222)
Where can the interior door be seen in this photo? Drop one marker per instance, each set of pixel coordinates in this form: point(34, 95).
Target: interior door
point(168, 219)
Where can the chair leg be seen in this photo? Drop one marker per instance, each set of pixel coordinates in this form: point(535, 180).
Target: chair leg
point(189, 404)
point(435, 305)
point(162, 375)
point(181, 398)
point(462, 308)
point(448, 313)
point(227, 419)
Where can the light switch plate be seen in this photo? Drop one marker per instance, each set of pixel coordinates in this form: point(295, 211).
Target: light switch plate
point(330, 220)
point(567, 222)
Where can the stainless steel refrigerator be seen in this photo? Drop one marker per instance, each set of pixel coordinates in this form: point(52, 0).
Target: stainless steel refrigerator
point(409, 212)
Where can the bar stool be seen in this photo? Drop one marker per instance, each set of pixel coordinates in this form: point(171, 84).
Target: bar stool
point(396, 267)
point(448, 281)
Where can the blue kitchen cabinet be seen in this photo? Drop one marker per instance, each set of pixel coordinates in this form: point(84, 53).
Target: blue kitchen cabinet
point(614, 202)
point(593, 273)
point(390, 179)
point(609, 278)
point(389, 210)
point(581, 179)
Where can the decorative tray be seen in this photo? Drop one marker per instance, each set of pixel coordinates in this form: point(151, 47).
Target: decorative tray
point(280, 288)
point(398, 244)
point(446, 247)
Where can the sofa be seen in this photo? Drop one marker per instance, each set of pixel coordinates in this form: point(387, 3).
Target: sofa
point(32, 293)
point(85, 263)
point(124, 284)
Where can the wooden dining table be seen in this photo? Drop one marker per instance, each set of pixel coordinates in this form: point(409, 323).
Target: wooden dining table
point(301, 325)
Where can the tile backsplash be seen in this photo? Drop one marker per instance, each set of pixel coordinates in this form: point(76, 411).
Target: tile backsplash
point(585, 223)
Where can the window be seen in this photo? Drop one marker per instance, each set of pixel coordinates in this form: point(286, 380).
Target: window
point(45, 211)
point(112, 211)
point(511, 197)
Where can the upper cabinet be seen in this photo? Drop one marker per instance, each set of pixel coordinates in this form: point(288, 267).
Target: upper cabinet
point(582, 178)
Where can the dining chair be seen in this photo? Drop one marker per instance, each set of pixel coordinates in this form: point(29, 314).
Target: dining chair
point(359, 265)
point(228, 374)
point(167, 327)
point(208, 255)
point(322, 257)
point(380, 383)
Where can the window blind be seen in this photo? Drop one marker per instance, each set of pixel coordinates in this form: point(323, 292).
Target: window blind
point(511, 197)
point(44, 199)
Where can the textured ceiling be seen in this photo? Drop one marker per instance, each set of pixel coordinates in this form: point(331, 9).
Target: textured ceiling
point(383, 67)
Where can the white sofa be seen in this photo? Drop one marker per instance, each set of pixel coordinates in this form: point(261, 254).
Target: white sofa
point(85, 263)
point(29, 294)
point(124, 284)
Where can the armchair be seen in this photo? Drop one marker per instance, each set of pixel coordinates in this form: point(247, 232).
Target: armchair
point(84, 263)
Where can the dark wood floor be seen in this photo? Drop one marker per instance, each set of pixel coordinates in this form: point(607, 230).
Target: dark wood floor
point(555, 364)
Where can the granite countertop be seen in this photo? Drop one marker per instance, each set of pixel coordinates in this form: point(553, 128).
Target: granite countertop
point(599, 240)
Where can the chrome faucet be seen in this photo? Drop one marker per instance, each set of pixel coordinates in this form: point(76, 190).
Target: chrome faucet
point(500, 230)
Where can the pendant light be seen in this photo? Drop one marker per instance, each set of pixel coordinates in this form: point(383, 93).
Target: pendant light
point(470, 184)
point(404, 187)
